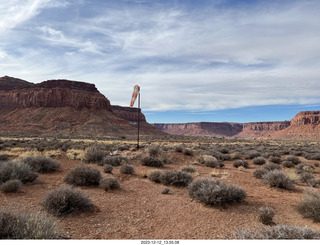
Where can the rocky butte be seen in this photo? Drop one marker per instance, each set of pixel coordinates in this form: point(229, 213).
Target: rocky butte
point(64, 107)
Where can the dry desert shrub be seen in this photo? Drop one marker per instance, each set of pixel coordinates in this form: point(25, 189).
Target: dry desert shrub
point(175, 178)
point(152, 162)
point(241, 163)
point(107, 168)
point(288, 164)
point(215, 192)
point(83, 176)
point(27, 226)
point(252, 155)
point(278, 179)
point(188, 152)
point(294, 159)
point(259, 161)
point(275, 159)
point(304, 167)
point(309, 207)
point(210, 161)
point(266, 215)
point(127, 169)
point(4, 157)
point(94, 154)
point(11, 186)
point(66, 200)
point(109, 183)
point(155, 176)
point(113, 160)
point(153, 151)
point(16, 170)
point(278, 232)
point(41, 164)
point(188, 169)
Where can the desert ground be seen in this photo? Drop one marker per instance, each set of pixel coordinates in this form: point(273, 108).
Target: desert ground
point(139, 209)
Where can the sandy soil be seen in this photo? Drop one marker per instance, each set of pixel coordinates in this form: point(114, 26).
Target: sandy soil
point(138, 210)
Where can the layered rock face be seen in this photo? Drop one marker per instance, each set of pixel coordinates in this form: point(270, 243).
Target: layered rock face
point(305, 125)
point(128, 113)
point(63, 107)
point(262, 129)
point(52, 93)
point(201, 129)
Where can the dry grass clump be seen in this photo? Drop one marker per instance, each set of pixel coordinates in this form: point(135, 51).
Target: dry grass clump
point(11, 186)
point(309, 207)
point(27, 226)
point(277, 178)
point(266, 215)
point(127, 169)
point(109, 183)
point(152, 162)
point(66, 200)
point(83, 176)
point(41, 164)
point(215, 192)
point(278, 232)
point(16, 170)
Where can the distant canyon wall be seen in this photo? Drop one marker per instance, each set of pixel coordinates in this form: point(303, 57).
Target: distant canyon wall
point(305, 125)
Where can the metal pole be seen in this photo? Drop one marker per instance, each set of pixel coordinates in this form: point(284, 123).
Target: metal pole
point(138, 120)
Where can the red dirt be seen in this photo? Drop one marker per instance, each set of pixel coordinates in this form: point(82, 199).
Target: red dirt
point(138, 210)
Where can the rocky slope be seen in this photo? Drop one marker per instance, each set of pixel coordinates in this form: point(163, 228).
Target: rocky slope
point(305, 125)
point(63, 107)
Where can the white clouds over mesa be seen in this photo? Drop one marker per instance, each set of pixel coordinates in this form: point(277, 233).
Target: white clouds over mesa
point(205, 55)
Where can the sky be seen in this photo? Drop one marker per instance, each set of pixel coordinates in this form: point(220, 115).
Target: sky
point(195, 61)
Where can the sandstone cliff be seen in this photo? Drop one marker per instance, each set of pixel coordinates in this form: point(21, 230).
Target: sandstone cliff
point(62, 107)
point(262, 129)
point(305, 125)
point(128, 113)
point(201, 129)
point(53, 93)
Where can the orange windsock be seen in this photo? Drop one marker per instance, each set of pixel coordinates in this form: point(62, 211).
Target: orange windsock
point(135, 93)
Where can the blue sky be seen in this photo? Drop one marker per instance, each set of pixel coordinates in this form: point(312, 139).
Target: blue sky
point(218, 60)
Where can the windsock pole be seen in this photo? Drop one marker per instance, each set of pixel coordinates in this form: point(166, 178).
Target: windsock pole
point(136, 93)
point(138, 119)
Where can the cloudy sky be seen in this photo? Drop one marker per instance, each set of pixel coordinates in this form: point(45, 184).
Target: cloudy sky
point(204, 60)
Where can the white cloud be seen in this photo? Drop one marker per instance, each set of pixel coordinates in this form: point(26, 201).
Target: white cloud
point(183, 58)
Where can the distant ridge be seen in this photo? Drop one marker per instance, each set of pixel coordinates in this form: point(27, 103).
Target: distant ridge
point(305, 125)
